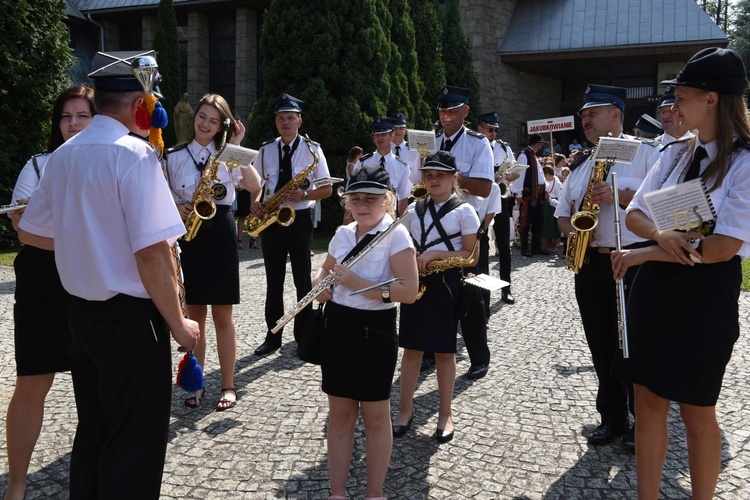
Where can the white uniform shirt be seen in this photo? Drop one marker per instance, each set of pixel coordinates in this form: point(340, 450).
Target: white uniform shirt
point(516, 186)
point(398, 172)
point(374, 266)
point(102, 199)
point(499, 154)
point(554, 189)
point(665, 138)
point(629, 177)
point(473, 158)
point(412, 158)
point(730, 199)
point(267, 166)
point(28, 180)
point(493, 204)
point(183, 175)
point(462, 219)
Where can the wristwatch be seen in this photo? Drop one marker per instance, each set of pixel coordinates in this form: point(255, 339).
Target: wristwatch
point(385, 292)
point(305, 196)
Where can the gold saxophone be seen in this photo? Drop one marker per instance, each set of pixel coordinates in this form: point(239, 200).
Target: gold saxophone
point(272, 209)
point(203, 207)
point(440, 265)
point(584, 221)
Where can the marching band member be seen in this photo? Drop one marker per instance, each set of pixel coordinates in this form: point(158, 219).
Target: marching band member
point(670, 120)
point(397, 168)
point(602, 113)
point(676, 354)
point(360, 345)
point(41, 340)
point(278, 161)
point(400, 148)
point(443, 228)
point(488, 125)
point(475, 176)
point(123, 287)
point(210, 261)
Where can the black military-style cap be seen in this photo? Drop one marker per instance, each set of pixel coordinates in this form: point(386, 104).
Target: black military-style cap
point(490, 119)
point(442, 160)
point(370, 179)
point(113, 71)
point(667, 99)
point(604, 95)
point(649, 124)
point(381, 125)
point(285, 102)
point(399, 120)
point(720, 70)
point(453, 97)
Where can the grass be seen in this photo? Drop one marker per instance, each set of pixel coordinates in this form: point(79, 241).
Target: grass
point(321, 238)
point(746, 275)
point(8, 255)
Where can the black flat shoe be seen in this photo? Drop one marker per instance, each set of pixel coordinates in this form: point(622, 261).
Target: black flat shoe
point(606, 433)
point(400, 430)
point(508, 298)
point(443, 436)
point(267, 347)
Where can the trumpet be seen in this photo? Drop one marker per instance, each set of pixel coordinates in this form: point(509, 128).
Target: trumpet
point(4, 209)
point(502, 182)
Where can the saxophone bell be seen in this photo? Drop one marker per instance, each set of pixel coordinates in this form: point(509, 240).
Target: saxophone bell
point(419, 191)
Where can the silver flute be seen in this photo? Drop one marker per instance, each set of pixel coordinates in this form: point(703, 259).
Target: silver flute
point(318, 289)
point(4, 209)
point(622, 323)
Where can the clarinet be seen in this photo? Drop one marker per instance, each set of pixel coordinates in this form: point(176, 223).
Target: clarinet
point(318, 289)
point(622, 327)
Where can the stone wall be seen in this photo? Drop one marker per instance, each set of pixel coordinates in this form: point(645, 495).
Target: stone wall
point(198, 77)
point(246, 66)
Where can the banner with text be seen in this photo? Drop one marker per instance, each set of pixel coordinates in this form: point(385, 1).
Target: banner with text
point(551, 125)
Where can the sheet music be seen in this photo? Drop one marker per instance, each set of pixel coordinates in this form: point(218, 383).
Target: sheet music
point(236, 156)
point(422, 139)
point(614, 148)
point(326, 181)
point(517, 168)
point(487, 282)
point(681, 206)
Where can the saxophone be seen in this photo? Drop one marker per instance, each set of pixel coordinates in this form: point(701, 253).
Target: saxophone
point(440, 265)
point(585, 220)
point(272, 209)
point(203, 207)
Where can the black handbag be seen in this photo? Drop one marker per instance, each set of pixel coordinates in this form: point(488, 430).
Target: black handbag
point(310, 336)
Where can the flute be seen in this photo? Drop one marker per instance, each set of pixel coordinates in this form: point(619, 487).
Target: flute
point(4, 209)
point(318, 289)
point(622, 326)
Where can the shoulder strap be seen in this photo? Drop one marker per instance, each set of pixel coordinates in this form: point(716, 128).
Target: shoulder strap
point(36, 166)
point(436, 216)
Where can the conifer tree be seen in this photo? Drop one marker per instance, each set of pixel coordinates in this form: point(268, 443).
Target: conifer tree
point(408, 90)
point(459, 66)
point(428, 31)
point(167, 46)
point(34, 55)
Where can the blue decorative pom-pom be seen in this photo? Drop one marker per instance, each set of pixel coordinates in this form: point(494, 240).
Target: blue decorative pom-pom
point(191, 378)
point(159, 117)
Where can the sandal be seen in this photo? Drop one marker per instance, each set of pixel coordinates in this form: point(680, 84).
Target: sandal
point(224, 403)
point(194, 400)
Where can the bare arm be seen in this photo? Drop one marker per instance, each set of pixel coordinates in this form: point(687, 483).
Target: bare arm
point(157, 272)
point(475, 185)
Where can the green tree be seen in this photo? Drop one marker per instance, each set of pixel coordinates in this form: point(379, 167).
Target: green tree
point(333, 55)
point(167, 46)
point(34, 55)
point(428, 31)
point(408, 93)
point(740, 33)
point(459, 66)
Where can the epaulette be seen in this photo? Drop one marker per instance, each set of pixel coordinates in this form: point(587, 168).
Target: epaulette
point(503, 145)
point(678, 141)
point(366, 156)
point(137, 136)
point(401, 160)
point(650, 142)
point(171, 150)
point(474, 133)
point(269, 141)
point(312, 142)
point(37, 155)
point(580, 160)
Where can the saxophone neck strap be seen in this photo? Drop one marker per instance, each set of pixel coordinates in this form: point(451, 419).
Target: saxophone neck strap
point(447, 207)
point(366, 239)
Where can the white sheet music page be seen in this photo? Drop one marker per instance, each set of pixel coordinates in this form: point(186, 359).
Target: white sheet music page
point(420, 140)
point(680, 206)
point(617, 149)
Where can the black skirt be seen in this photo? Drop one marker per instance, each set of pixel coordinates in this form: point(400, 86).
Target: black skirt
point(243, 203)
point(210, 262)
point(359, 351)
point(682, 325)
point(42, 334)
point(430, 324)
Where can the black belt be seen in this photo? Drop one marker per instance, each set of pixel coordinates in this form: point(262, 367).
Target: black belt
point(608, 250)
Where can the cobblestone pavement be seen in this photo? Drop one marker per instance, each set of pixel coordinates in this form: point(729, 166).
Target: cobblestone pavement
point(520, 431)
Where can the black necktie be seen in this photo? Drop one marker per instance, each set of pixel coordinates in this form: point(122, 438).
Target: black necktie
point(447, 145)
point(398, 151)
point(695, 167)
point(285, 168)
point(382, 161)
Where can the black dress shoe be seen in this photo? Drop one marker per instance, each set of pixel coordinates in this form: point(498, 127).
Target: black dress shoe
point(508, 298)
point(426, 364)
point(476, 371)
point(628, 440)
point(400, 430)
point(443, 436)
point(267, 347)
point(606, 433)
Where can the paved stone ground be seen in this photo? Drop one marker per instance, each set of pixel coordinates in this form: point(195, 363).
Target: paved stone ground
point(520, 431)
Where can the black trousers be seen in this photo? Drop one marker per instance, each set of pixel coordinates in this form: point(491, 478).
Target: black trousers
point(474, 323)
point(277, 242)
point(121, 366)
point(597, 301)
point(502, 238)
point(483, 267)
point(531, 219)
